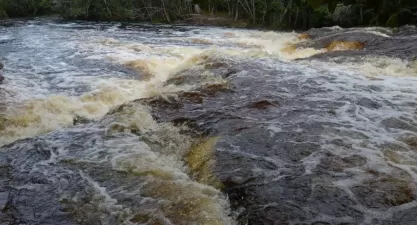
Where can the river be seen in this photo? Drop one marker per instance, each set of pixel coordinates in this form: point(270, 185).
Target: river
point(111, 123)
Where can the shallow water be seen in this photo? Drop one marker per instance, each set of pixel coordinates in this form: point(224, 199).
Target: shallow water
point(229, 127)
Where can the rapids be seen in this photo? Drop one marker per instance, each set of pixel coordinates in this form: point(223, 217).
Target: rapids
point(107, 123)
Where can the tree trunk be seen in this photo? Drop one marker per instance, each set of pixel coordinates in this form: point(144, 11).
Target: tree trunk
point(281, 19)
point(107, 7)
point(229, 11)
point(254, 11)
point(147, 11)
point(165, 12)
point(296, 19)
point(197, 9)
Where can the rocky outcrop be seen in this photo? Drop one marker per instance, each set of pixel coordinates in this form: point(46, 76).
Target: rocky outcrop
point(377, 41)
point(271, 156)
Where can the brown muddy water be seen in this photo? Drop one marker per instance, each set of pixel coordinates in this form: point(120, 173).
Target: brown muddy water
point(112, 123)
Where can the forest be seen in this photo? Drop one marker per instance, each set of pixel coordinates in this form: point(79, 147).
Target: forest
point(274, 14)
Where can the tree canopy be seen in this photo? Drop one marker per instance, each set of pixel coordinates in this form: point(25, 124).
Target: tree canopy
point(283, 14)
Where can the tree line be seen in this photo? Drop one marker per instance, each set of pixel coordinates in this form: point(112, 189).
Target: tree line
point(278, 14)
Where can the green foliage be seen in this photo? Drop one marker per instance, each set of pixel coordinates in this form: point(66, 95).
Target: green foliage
point(19, 8)
point(157, 10)
point(322, 17)
point(3, 14)
point(344, 15)
point(393, 20)
point(279, 14)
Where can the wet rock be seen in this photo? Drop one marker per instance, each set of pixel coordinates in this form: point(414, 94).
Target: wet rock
point(338, 164)
point(335, 200)
point(374, 42)
point(406, 30)
point(366, 102)
point(265, 146)
point(406, 217)
point(345, 45)
point(385, 192)
point(341, 143)
point(314, 33)
point(33, 204)
point(396, 123)
point(270, 155)
point(353, 40)
point(197, 76)
point(280, 194)
point(80, 120)
point(263, 104)
point(281, 154)
point(46, 182)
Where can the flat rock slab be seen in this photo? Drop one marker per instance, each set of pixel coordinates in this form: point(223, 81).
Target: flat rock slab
point(275, 157)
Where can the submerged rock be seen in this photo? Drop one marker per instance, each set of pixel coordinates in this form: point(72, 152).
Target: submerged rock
point(278, 162)
point(1, 76)
point(306, 143)
point(373, 41)
point(91, 176)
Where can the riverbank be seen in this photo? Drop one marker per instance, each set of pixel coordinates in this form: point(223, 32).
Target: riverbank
point(191, 19)
point(212, 20)
point(279, 15)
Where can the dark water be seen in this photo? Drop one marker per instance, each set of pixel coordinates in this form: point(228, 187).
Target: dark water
point(140, 124)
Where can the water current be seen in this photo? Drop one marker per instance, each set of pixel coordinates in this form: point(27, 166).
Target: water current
point(109, 123)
